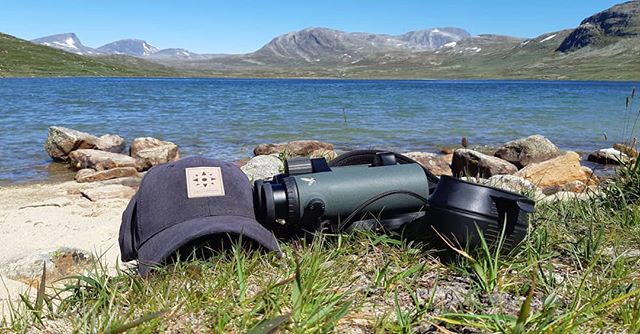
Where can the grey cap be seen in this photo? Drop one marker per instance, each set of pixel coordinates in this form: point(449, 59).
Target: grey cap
point(184, 201)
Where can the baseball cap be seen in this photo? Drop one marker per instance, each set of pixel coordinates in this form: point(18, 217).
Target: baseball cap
point(180, 202)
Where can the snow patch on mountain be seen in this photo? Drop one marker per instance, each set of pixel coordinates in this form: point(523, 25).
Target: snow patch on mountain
point(548, 38)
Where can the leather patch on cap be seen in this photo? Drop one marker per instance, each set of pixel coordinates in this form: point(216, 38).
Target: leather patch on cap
point(204, 182)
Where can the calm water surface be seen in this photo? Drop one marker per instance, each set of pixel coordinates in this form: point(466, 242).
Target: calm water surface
point(226, 118)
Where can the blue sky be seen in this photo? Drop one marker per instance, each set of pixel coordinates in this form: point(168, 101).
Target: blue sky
point(239, 26)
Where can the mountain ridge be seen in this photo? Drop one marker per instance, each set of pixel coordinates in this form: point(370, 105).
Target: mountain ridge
point(605, 27)
point(130, 47)
point(605, 45)
point(66, 41)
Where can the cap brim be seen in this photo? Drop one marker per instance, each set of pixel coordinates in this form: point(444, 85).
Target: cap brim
point(155, 250)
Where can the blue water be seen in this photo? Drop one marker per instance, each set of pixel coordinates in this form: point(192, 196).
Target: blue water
point(226, 118)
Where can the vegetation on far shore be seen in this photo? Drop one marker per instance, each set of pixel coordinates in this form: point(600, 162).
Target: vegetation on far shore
point(20, 58)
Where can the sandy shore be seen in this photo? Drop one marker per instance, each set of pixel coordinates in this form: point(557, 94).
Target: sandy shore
point(59, 224)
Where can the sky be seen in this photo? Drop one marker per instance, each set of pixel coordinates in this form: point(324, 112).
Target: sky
point(241, 26)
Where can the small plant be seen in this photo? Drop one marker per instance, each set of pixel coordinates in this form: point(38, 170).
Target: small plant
point(486, 262)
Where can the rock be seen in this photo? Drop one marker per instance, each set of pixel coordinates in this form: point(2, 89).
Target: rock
point(524, 151)
point(446, 150)
point(84, 173)
point(294, 148)
point(473, 163)
point(436, 164)
point(628, 150)
point(263, 167)
point(515, 184)
point(566, 196)
point(90, 175)
point(575, 187)
point(149, 152)
point(60, 262)
point(62, 141)
point(608, 156)
point(557, 171)
point(242, 162)
point(108, 192)
point(129, 181)
point(99, 160)
point(322, 153)
point(111, 143)
point(510, 183)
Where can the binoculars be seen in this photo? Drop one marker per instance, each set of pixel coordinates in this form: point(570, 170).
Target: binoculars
point(391, 191)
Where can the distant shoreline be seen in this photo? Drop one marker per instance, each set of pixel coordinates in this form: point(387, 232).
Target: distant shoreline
point(326, 78)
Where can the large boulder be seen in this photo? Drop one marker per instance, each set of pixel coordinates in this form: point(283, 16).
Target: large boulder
point(149, 152)
point(99, 160)
point(91, 175)
point(436, 164)
point(524, 151)
point(61, 141)
point(111, 143)
point(557, 172)
point(294, 148)
point(472, 163)
point(263, 167)
point(608, 156)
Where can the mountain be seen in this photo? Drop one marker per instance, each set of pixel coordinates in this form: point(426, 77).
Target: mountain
point(605, 46)
point(68, 42)
point(173, 53)
point(324, 46)
point(605, 28)
point(130, 47)
point(21, 58)
point(432, 39)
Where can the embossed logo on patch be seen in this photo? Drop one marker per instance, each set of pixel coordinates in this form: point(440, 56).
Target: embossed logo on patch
point(204, 182)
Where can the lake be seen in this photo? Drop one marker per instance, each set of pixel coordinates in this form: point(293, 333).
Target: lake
point(226, 118)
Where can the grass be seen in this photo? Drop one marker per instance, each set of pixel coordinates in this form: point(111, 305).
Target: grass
point(578, 271)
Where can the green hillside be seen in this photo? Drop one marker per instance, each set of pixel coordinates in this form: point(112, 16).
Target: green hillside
point(20, 58)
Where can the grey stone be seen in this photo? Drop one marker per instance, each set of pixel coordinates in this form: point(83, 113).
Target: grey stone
point(263, 167)
point(99, 160)
point(523, 151)
point(61, 141)
point(608, 156)
point(515, 184)
point(473, 163)
point(111, 143)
